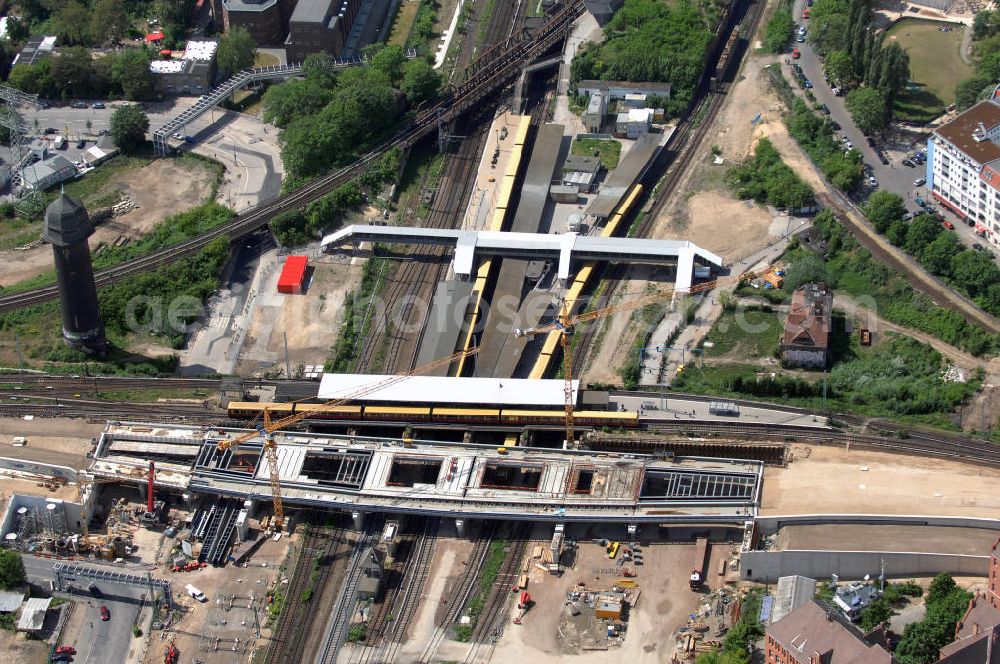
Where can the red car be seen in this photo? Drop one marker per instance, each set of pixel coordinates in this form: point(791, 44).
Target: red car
point(947, 224)
point(805, 14)
point(795, 54)
point(65, 650)
point(105, 613)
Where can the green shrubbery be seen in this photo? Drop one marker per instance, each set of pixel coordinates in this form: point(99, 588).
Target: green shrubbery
point(767, 180)
point(815, 135)
point(779, 30)
point(922, 641)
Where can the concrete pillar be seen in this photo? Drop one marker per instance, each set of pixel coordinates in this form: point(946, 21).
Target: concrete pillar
point(633, 532)
point(359, 519)
point(460, 527)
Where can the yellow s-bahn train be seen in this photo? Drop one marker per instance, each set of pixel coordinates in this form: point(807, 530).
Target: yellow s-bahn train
point(442, 414)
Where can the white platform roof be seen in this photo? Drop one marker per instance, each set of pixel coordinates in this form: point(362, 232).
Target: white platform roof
point(445, 390)
point(565, 247)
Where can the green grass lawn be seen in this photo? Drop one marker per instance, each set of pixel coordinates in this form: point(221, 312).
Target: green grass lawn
point(936, 66)
point(608, 151)
point(405, 17)
point(747, 332)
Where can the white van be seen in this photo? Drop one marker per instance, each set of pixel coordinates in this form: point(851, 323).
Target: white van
point(194, 592)
point(59, 142)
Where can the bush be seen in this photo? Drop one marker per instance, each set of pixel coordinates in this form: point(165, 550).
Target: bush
point(779, 30)
point(816, 136)
point(768, 180)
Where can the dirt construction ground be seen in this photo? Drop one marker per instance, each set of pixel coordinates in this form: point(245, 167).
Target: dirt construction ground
point(162, 188)
point(877, 483)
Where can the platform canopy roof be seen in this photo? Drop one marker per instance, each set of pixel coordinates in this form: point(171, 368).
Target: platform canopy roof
point(449, 390)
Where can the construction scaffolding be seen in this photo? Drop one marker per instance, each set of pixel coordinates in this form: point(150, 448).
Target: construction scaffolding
point(27, 201)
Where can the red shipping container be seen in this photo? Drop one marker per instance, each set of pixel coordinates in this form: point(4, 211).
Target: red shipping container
point(293, 274)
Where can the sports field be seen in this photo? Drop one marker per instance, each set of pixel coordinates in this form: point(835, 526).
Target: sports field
point(936, 66)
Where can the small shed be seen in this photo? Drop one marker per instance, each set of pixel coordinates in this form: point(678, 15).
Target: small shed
point(608, 607)
point(293, 274)
point(10, 601)
point(561, 193)
point(33, 614)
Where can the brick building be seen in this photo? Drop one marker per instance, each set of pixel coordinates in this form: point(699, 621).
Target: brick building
point(805, 340)
point(977, 634)
point(320, 26)
point(813, 634)
point(265, 20)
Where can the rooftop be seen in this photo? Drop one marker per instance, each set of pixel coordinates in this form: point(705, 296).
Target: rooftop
point(466, 391)
point(964, 129)
point(10, 600)
point(33, 614)
point(629, 170)
point(203, 51)
point(580, 163)
point(643, 86)
point(66, 221)
point(814, 629)
point(808, 322)
point(792, 592)
point(248, 5)
point(311, 11)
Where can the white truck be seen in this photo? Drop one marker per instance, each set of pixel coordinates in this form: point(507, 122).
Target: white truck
point(194, 592)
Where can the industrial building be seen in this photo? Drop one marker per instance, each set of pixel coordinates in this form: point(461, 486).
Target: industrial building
point(48, 172)
point(265, 20)
point(371, 474)
point(805, 340)
point(494, 392)
point(293, 274)
point(35, 50)
point(581, 172)
point(193, 73)
point(963, 166)
point(615, 90)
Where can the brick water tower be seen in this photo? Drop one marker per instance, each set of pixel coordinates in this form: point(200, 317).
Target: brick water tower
point(67, 227)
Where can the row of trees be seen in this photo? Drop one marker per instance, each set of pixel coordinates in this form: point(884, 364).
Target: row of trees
point(779, 29)
point(856, 55)
point(96, 23)
point(816, 136)
point(75, 73)
point(768, 180)
point(650, 40)
point(329, 118)
point(922, 641)
point(939, 251)
point(986, 55)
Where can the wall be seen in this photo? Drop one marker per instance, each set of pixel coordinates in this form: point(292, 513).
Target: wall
point(767, 566)
point(45, 469)
point(768, 525)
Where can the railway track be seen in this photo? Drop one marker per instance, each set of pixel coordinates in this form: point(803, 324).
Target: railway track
point(484, 82)
point(319, 546)
point(492, 621)
point(462, 592)
point(684, 143)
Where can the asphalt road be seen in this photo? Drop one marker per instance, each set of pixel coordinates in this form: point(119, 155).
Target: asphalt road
point(894, 177)
point(99, 642)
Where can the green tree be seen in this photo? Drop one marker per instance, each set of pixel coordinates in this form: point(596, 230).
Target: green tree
point(130, 71)
point(296, 98)
point(809, 269)
point(72, 24)
point(938, 255)
point(236, 51)
point(71, 71)
point(840, 69)
point(883, 208)
point(896, 233)
point(921, 232)
point(11, 569)
point(318, 68)
point(390, 60)
point(109, 22)
point(875, 614)
point(779, 31)
point(868, 108)
point(129, 125)
point(967, 92)
point(941, 586)
point(420, 81)
point(829, 33)
point(985, 24)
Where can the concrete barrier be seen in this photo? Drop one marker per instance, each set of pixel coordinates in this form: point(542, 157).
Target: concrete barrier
point(767, 566)
point(768, 525)
point(37, 468)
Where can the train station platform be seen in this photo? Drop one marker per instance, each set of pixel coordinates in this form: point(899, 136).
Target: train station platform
point(446, 479)
point(565, 248)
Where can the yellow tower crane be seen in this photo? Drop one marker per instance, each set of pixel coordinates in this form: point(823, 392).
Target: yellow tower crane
point(266, 428)
point(565, 324)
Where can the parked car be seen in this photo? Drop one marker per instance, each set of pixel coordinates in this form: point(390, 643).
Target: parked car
point(882, 158)
point(870, 140)
point(947, 224)
point(977, 246)
point(835, 125)
point(909, 164)
point(98, 104)
point(801, 39)
point(50, 130)
point(919, 201)
point(872, 182)
point(797, 68)
point(807, 84)
point(105, 613)
point(69, 650)
point(824, 109)
point(907, 216)
point(802, 30)
point(805, 14)
point(836, 91)
point(848, 145)
point(79, 104)
point(80, 144)
point(919, 182)
point(796, 54)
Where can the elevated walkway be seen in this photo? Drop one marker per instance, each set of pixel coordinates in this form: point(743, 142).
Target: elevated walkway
point(566, 248)
point(274, 72)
